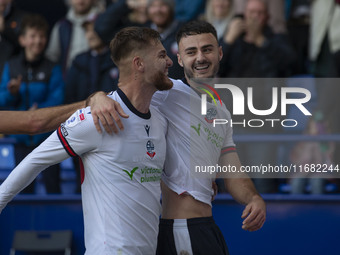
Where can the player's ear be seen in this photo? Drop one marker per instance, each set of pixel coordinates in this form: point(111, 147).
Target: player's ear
point(138, 63)
point(220, 53)
point(179, 60)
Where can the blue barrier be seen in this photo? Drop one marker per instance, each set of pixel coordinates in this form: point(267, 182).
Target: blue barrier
point(304, 224)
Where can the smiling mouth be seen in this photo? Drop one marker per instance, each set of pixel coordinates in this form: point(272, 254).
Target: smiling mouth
point(201, 67)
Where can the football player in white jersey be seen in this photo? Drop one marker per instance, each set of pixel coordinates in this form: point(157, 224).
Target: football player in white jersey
point(121, 174)
point(187, 224)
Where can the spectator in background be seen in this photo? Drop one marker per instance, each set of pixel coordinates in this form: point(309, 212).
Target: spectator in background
point(324, 37)
point(219, 13)
point(298, 20)
point(120, 14)
point(138, 14)
point(91, 71)
point(312, 153)
point(251, 50)
point(276, 14)
point(161, 15)
point(30, 81)
point(186, 10)
point(68, 36)
point(10, 19)
point(324, 53)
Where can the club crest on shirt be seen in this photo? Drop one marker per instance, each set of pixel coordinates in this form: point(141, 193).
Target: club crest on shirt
point(211, 114)
point(76, 118)
point(150, 147)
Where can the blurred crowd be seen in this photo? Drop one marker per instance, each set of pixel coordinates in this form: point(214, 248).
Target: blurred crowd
point(48, 60)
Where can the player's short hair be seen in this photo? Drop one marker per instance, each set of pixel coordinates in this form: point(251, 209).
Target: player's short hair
point(35, 21)
point(132, 38)
point(195, 27)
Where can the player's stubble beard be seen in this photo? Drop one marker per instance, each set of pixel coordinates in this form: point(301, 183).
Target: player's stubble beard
point(162, 82)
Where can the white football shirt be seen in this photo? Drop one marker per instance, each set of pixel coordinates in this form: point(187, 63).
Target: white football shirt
point(192, 140)
point(121, 184)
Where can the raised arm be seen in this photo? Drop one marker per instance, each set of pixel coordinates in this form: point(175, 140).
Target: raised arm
point(37, 121)
point(104, 109)
point(242, 189)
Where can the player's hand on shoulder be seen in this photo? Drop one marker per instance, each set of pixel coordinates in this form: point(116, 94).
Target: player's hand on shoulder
point(107, 111)
point(254, 214)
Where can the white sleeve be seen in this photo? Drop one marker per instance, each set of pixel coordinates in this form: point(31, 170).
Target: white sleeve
point(50, 152)
point(158, 98)
point(78, 135)
point(228, 141)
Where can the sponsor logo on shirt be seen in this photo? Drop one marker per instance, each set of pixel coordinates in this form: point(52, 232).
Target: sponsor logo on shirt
point(148, 174)
point(130, 173)
point(210, 135)
point(76, 118)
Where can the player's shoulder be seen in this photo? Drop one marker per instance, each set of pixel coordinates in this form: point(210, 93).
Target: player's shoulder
point(82, 118)
point(179, 84)
point(157, 115)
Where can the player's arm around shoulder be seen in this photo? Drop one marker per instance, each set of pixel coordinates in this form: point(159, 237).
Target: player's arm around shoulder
point(242, 189)
point(106, 112)
point(79, 132)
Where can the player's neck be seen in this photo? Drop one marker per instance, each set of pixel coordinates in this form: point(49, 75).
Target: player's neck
point(138, 95)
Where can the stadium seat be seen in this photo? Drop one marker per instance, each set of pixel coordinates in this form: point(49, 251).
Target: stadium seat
point(42, 241)
point(7, 160)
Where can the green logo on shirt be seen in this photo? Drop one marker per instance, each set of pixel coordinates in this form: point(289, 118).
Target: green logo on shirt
point(197, 129)
point(130, 174)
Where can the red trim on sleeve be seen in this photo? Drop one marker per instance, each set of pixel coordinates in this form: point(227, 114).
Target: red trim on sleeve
point(64, 142)
point(228, 150)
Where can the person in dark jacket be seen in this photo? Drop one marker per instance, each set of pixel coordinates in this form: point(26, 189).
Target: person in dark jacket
point(92, 70)
point(161, 14)
point(30, 81)
point(10, 20)
point(251, 49)
point(67, 38)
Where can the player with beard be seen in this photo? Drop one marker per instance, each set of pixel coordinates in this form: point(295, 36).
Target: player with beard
point(187, 226)
point(121, 174)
